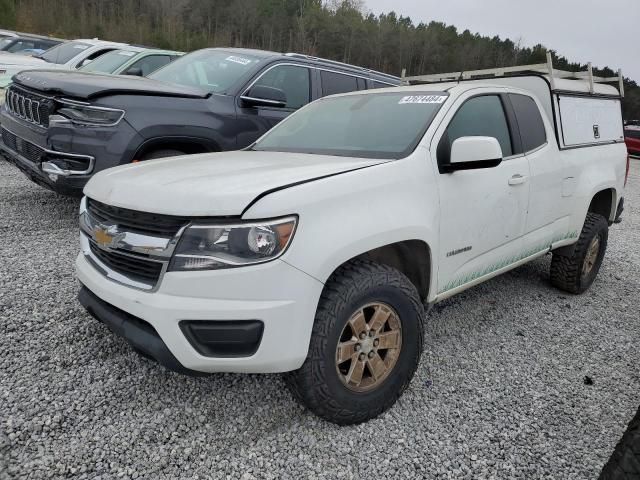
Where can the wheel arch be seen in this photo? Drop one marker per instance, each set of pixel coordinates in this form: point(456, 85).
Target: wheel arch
point(188, 145)
point(413, 258)
point(604, 202)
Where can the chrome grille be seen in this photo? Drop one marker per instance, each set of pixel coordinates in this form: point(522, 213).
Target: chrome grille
point(136, 267)
point(29, 106)
point(129, 247)
point(135, 221)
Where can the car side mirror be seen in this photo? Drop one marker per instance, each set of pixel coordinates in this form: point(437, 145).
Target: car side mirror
point(468, 153)
point(86, 61)
point(135, 71)
point(263, 96)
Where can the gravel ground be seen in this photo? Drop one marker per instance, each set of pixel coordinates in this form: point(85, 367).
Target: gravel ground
point(500, 392)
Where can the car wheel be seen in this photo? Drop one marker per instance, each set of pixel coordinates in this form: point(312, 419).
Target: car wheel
point(576, 273)
point(365, 346)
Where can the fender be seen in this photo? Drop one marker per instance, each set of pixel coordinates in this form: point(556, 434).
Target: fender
point(344, 216)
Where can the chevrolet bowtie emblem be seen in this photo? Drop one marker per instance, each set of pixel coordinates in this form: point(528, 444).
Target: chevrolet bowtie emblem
point(107, 236)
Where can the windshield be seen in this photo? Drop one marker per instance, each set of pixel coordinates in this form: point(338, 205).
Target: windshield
point(64, 52)
point(380, 125)
point(109, 62)
point(6, 42)
point(214, 71)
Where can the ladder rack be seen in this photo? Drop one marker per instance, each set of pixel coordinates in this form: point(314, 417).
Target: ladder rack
point(540, 68)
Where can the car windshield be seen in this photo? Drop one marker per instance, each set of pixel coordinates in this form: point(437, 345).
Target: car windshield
point(109, 62)
point(378, 125)
point(64, 52)
point(214, 71)
point(5, 42)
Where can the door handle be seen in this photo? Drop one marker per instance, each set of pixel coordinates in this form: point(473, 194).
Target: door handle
point(517, 179)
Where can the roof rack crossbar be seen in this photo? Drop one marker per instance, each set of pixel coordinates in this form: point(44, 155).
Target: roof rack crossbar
point(338, 64)
point(540, 68)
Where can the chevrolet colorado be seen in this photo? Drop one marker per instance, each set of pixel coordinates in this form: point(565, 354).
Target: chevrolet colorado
point(315, 250)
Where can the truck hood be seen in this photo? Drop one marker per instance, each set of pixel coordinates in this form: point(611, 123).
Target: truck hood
point(91, 85)
point(212, 184)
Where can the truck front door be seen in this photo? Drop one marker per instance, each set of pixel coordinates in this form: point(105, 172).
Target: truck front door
point(483, 210)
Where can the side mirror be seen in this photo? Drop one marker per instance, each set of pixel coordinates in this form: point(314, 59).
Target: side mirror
point(86, 61)
point(135, 71)
point(468, 153)
point(263, 96)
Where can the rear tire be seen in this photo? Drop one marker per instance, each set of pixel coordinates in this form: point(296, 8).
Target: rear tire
point(161, 154)
point(576, 273)
point(365, 346)
point(624, 463)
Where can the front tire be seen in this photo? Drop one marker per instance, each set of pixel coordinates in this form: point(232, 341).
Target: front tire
point(365, 346)
point(576, 273)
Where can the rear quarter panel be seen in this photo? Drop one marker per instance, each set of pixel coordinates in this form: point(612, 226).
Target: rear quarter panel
point(598, 168)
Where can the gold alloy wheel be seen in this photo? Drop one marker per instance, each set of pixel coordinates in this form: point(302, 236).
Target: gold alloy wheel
point(592, 256)
point(369, 347)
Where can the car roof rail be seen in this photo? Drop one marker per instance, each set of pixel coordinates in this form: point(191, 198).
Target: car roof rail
point(340, 64)
point(538, 68)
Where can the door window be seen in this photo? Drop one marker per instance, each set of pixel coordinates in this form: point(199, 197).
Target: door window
point(480, 116)
point(530, 122)
point(381, 85)
point(333, 83)
point(292, 80)
point(151, 63)
point(93, 56)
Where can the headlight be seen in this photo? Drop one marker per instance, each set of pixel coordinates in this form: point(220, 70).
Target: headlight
point(89, 115)
point(212, 247)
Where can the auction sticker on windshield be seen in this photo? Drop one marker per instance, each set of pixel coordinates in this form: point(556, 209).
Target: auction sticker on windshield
point(240, 60)
point(422, 99)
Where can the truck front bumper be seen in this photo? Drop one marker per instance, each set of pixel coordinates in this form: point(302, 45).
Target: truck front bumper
point(63, 156)
point(270, 307)
point(62, 172)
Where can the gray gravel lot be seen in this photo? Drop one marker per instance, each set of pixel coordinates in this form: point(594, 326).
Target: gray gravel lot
point(500, 392)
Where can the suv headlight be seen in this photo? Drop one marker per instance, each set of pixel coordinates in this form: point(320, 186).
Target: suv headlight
point(212, 247)
point(90, 115)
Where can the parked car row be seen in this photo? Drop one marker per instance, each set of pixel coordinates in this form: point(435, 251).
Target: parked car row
point(62, 127)
point(79, 54)
point(27, 44)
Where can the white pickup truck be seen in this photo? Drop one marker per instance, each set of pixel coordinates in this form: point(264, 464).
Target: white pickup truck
point(317, 250)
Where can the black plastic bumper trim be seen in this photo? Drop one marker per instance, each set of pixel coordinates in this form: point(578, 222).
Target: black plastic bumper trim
point(138, 333)
point(223, 338)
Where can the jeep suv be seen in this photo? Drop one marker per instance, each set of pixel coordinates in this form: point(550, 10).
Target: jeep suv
point(60, 128)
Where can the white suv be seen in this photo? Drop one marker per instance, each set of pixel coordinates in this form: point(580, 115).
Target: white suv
point(65, 56)
point(315, 250)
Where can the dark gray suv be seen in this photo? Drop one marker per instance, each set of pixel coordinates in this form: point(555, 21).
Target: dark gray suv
point(62, 127)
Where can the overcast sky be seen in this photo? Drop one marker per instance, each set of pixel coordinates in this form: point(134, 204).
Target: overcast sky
point(602, 32)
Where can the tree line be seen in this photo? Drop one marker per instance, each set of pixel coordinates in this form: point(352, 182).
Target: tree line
point(338, 29)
